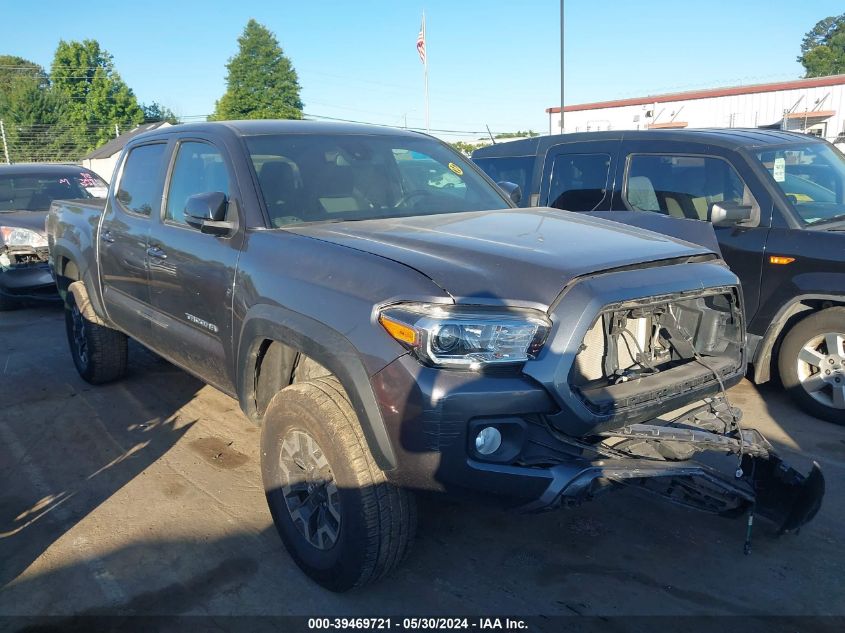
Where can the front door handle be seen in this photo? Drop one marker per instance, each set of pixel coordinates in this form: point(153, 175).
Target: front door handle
point(155, 251)
point(106, 236)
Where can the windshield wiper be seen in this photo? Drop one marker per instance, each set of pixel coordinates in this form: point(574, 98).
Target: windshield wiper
point(835, 218)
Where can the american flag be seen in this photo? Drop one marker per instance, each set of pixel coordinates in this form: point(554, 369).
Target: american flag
point(421, 41)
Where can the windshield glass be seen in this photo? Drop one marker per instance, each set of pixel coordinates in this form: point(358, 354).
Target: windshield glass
point(813, 178)
point(34, 191)
point(318, 178)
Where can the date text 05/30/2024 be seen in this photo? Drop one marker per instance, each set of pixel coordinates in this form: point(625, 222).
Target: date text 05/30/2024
point(396, 624)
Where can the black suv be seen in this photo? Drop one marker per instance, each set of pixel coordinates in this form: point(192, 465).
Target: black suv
point(777, 203)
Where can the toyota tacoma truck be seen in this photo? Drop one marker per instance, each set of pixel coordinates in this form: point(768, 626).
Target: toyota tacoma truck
point(396, 324)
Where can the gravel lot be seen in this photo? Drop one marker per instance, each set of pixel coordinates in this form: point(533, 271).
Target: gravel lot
point(144, 497)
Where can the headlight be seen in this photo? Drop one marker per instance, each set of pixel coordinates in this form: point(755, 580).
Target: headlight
point(466, 336)
point(14, 236)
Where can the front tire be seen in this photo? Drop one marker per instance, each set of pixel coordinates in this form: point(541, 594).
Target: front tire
point(99, 353)
point(342, 522)
point(812, 364)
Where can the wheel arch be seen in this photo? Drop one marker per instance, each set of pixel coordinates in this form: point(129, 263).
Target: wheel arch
point(786, 318)
point(70, 266)
point(291, 337)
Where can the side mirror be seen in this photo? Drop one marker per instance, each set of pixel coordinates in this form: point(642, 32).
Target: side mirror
point(207, 212)
point(730, 213)
point(511, 190)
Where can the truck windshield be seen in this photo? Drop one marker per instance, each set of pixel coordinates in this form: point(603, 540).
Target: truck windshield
point(318, 178)
point(812, 176)
point(34, 191)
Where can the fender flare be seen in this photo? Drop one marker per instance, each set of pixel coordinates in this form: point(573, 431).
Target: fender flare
point(327, 347)
point(763, 354)
point(62, 250)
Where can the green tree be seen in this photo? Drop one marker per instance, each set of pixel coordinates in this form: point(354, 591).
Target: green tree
point(823, 48)
point(261, 82)
point(32, 112)
point(98, 99)
point(155, 112)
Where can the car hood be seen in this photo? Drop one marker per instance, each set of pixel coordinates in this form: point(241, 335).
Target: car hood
point(33, 220)
point(519, 257)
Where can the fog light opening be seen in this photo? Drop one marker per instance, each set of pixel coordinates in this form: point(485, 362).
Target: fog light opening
point(488, 440)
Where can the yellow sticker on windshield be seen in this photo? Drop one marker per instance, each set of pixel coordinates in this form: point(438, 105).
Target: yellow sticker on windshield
point(456, 169)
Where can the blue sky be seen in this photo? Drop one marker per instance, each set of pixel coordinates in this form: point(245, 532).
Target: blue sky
point(491, 62)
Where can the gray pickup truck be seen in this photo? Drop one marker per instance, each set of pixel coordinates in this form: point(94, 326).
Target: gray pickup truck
point(395, 324)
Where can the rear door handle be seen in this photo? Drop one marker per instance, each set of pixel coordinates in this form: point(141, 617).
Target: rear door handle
point(155, 251)
point(106, 236)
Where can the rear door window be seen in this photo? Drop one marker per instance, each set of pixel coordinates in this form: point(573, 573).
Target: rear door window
point(140, 185)
point(682, 186)
point(579, 181)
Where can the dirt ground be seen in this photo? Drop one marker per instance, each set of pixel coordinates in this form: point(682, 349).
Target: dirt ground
point(144, 497)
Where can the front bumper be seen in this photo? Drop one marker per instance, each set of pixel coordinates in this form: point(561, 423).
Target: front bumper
point(28, 281)
point(433, 416)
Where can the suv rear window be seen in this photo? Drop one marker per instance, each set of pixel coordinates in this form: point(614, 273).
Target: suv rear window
point(515, 169)
point(579, 181)
point(140, 184)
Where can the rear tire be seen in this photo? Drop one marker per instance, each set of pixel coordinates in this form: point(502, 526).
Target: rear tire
point(99, 353)
point(812, 364)
point(342, 522)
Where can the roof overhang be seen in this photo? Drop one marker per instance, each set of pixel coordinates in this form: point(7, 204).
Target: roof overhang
point(798, 84)
point(669, 125)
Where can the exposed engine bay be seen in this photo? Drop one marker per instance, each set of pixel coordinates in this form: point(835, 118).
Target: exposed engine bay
point(657, 348)
point(11, 256)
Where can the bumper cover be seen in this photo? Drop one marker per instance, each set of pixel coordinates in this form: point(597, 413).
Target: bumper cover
point(432, 417)
point(28, 281)
point(775, 491)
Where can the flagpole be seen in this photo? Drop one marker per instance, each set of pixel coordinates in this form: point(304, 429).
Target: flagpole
point(425, 70)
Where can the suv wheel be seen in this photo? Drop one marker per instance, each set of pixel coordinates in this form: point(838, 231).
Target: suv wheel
point(343, 523)
point(99, 353)
point(812, 364)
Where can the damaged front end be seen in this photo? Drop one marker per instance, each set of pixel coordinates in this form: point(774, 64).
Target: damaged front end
point(703, 459)
point(24, 265)
point(646, 407)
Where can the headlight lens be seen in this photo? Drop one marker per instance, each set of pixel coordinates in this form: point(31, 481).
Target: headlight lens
point(467, 337)
point(15, 236)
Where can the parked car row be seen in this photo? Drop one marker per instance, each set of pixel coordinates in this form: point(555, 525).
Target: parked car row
point(777, 203)
point(396, 324)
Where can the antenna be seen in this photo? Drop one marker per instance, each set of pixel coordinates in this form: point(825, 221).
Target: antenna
point(490, 133)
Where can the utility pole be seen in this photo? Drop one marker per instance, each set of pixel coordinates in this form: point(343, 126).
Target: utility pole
point(561, 66)
point(5, 146)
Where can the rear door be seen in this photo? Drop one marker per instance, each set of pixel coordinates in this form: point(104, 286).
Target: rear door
point(579, 176)
point(192, 273)
point(133, 203)
point(681, 180)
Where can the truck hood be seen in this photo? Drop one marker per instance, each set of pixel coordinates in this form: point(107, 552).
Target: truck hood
point(33, 220)
point(517, 257)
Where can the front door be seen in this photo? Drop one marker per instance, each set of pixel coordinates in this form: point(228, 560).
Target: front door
point(682, 180)
point(192, 273)
point(123, 238)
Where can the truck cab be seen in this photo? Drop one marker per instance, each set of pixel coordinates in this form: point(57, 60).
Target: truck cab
point(779, 201)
